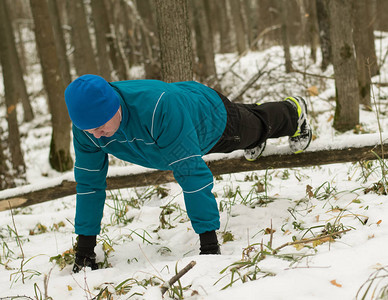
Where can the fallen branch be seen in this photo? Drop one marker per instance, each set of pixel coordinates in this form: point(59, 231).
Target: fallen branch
point(251, 81)
point(380, 84)
point(313, 75)
point(176, 277)
point(228, 164)
point(260, 35)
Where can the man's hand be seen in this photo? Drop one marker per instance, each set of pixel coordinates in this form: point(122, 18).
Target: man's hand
point(85, 256)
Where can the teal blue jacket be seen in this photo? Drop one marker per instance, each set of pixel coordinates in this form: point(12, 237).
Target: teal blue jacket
point(165, 126)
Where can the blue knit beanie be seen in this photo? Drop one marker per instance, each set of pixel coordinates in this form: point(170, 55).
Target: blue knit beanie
point(91, 101)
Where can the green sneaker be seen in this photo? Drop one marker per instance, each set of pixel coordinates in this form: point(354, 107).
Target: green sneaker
point(254, 153)
point(302, 137)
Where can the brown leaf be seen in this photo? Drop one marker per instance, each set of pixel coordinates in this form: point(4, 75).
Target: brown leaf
point(309, 191)
point(260, 187)
point(269, 231)
point(323, 240)
point(313, 90)
point(334, 282)
point(10, 109)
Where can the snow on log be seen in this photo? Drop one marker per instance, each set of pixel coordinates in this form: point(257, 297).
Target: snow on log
point(351, 150)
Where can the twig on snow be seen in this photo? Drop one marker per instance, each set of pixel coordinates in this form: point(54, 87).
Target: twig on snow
point(176, 277)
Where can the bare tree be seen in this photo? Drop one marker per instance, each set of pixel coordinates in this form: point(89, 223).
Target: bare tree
point(268, 20)
point(284, 32)
point(60, 158)
point(60, 44)
point(361, 42)
point(324, 32)
point(149, 41)
point(249, 20)
point(174, 39)
point(84, 58)
point(10, 94)
point(381, 15)
point(20, 86)
point(226, 44)
point(129, 41)
point(205, 68)
point(19, 14)
point(372, 57)
point(120, 65)
point(5, 176)
point(213, 16)
point(102, 32)
point(238, 21)
point(344, 62)
point(312, 28)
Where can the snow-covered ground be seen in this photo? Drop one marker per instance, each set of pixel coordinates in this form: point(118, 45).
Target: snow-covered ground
point(147, 237)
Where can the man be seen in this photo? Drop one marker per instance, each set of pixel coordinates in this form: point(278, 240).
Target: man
point(166, 126)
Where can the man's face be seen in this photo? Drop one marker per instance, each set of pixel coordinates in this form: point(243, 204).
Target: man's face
point(109, 128)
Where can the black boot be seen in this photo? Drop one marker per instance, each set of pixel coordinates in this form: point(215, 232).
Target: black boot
point(209, 243)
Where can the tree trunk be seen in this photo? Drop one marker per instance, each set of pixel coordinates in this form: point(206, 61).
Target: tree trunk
point(283, 9)
point(149, 42)
point(84, 58)
point(213, 16)
point(60, 158)
point(268, 19)
point(20, 86)
point(249, 20)
point(102, 32)
point(6, 180)
point(312, 28)
point(120, 65)
point(374, 67)
point(382, 20)
point(345, 69)
point(226, 44)
point(205, 67)
point(174, 38)
point(60, 44)
point(128, 28)
point(21, 48)
point(361, 22)
point(238, 22)
point(324, 32)
point(303, 21)
point(10, 93)
point(18, 13)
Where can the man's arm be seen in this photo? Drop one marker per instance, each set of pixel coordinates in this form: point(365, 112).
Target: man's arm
point(91, 166)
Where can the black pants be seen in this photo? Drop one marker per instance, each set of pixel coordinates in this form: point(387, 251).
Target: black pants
point(249, 125)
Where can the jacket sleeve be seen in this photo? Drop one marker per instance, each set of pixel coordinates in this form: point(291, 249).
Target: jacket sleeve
point(176, 137)
point(90, 170)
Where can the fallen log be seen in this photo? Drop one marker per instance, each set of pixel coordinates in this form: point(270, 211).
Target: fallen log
point(218, 164)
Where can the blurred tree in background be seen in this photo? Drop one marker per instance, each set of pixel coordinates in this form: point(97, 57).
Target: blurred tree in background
point(169, 40)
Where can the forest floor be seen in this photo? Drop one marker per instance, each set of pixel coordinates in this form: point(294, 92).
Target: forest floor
point(335, 216)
